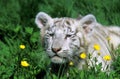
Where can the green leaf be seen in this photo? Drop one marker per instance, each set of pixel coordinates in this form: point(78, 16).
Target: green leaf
point(29, 30)
point(17, 29)
point(34, 37)
point(82, 75)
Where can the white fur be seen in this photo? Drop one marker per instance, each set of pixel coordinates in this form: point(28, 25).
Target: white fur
point(43, 16)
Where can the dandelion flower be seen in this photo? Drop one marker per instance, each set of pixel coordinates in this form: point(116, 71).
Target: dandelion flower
point(108, 38)
point(24, 63)
point(96, 46)
point(107, 57)
point(22, 46)
point(83, 55)
point(71, 63)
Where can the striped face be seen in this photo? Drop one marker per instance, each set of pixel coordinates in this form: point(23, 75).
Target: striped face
point(60, 40)
point(61, 37)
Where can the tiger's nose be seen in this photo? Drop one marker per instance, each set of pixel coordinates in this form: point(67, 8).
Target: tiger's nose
point(55, 50)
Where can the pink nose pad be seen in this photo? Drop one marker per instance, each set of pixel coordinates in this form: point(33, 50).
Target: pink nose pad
point(55, 50)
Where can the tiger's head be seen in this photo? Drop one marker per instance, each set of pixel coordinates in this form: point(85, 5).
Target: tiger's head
point(63, 37)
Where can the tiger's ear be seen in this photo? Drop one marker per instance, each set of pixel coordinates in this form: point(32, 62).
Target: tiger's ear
point(42, 20)
point(88, 23)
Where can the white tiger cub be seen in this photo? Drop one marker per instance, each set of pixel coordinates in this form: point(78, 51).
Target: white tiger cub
point(66, 39)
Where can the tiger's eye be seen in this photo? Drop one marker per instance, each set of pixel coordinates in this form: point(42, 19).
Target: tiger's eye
point(67, 36)
point(52, 34)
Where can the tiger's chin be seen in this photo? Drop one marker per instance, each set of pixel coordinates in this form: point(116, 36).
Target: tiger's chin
point(58, 60)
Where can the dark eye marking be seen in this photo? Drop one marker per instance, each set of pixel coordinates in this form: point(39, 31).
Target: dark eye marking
point(68, 22)
point(52, 34)
point(68, 35)
point(49, 34)
point(84, 27)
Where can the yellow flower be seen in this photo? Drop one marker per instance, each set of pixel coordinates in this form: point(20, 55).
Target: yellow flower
point(22, 46)
point(83, 55)
point(108, 38)
point(96, 46)
point(107, 57)
point(71, 63)
point(24, 63)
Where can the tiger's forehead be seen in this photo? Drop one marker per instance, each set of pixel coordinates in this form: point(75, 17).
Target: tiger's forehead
point(63, 23)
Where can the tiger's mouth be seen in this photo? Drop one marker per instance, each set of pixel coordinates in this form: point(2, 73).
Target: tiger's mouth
point(57, 59)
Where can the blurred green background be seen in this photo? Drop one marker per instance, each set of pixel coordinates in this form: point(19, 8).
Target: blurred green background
point(17, 27)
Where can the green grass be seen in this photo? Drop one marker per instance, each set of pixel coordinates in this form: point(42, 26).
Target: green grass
point(17, 27)
point(11, 56)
